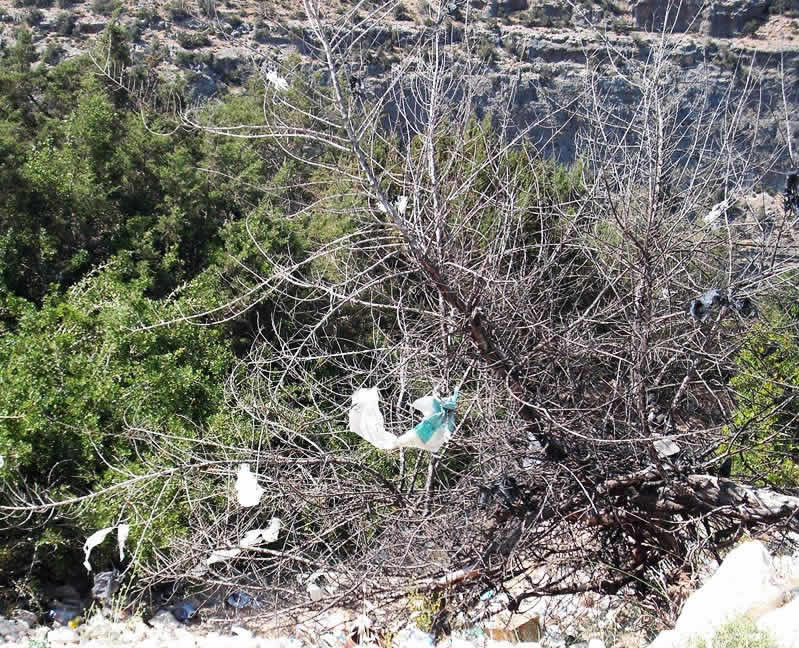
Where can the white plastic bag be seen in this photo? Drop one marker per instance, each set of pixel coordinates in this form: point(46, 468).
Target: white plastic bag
point(96, 538)
point(367, 422)
point(252, 538)
point(430, 434)
point(248, 491)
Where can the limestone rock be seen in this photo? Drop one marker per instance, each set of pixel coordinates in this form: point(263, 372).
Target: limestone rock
point(783, 624)
point(62, 636)
point(746, 583)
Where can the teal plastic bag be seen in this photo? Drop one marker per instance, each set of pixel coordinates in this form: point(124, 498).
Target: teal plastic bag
point(430, 434)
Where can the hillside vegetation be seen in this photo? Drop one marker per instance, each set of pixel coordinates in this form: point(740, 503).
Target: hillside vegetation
point(186, 287)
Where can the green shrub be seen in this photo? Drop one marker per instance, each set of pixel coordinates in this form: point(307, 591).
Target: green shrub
point(192, 40)
point(740, 633)
point(65, 23)
point(401, 12)
point(104, 7)
point(33, 17)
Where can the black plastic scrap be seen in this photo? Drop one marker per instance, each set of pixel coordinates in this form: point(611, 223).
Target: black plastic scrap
point(713, 300)
point(505, 491)
point(105, 585)
point(790, 198)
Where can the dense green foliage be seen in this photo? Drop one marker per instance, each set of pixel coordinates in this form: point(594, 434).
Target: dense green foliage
point(106, 229)
point(765, 426)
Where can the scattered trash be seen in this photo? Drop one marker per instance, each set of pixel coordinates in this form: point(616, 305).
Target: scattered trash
point(412, 636)
point(62, 614)
point(277, 81)
point(401, 206)
point(790, 199)
point(440, 626)
point(743, 306)
point(123, 531)
point(435, 429)
point(516, 629)
point(2, 461)
point(251, 538)
point(713, 300)
point(242, 632)
point(356, 86)
point(248, 491)
point(505, 490)
point(106, 584)
point(96, 538)
point(241, 600)
point(716, 212)
point(666, 448)
point(366, 420)
point(701, 308)
point(186, 611)
point(320, 585)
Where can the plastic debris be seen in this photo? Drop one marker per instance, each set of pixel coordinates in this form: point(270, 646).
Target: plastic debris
point(713, 300)
point(185, 611)
point(666, 448)
point(277, 81)
point(96, 538)
point(401, 205)
point(240, 600)
point(106, 584)
point(435, 429)
point(320, 585)
point(251, 538)
point(790, 198)
point(504, 490)
point(248, 491)
point(123, 531)
point(367, 421)
point(701, 308)
point(63, 613)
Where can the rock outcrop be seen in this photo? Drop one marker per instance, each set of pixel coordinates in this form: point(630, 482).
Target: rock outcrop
point(748, 584)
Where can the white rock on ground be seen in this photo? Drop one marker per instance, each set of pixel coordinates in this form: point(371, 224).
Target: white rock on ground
point(783, 624)
point(746, 584)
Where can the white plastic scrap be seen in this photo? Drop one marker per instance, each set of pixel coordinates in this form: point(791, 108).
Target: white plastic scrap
point(123, 531)
point(248, 491)
point(367, 421)
point(251, 538)
point(430, 434)
point(96, 538)
point(277, 81)
point(401, 206)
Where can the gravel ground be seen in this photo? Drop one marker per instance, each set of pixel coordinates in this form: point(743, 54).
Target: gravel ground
point(164, 631)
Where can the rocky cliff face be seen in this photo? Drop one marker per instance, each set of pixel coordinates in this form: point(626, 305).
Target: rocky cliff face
point(544, 56)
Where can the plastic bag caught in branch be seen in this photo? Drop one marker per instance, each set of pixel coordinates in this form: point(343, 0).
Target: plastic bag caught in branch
point(435, 429)
point(248, 492)
point(437, 426)
point(252, 538)
point(367, 421)
point(97, 538)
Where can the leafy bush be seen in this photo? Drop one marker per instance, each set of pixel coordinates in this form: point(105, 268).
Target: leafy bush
point(104, 7)
point(401, 12)
point(192, 40)
point(767, 387)
point(740, 633)
point(65, 23)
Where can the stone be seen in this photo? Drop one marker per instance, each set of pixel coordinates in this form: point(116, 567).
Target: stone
point(519, 628)
point(243, 633)
point(746, 584)
point(62, 636)
point(25, 616)
point(782, 624)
